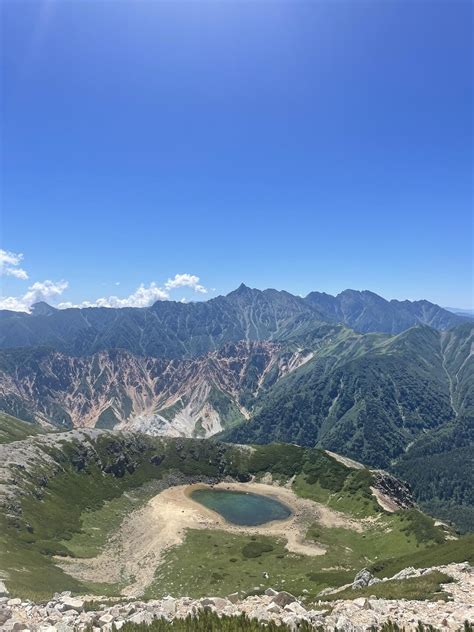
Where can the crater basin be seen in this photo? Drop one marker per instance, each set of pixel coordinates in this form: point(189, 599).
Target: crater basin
point(241, 508)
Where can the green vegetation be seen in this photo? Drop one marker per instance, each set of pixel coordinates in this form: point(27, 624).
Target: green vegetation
point(255, 549)
point(440, 467)
point(461, 550)
point(212, 622)
point(224, 562)
point(225, 407)
point(12, 429)
point(424, 587)
point(98, 524)
point(421, 526)
point(171, 411)
point(241, 561)
point(107, 419)
point(70, 505)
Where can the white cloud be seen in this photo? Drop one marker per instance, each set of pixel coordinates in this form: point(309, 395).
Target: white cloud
point(186, 280)
point(9, 262)
point(142, 297)
point(39, 291)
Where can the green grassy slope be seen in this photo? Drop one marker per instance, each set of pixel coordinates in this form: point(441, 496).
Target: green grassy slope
point(12, 429)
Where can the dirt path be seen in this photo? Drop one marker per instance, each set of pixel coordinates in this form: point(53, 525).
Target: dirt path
point(134, 552)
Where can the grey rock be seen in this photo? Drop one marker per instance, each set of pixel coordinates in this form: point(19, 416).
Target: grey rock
point(343, 624)
point(271, 592)
point(217, 602)
point(296, 608)
point(3, 590)
point(141, 617)
point(374, 580)
point(234, 597)
point(283, 598)
point(362, 579)
point(14, 602)
point(72, 603)
point(168, 606)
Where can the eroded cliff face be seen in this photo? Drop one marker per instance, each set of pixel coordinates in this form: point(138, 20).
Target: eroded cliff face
point(197, 397)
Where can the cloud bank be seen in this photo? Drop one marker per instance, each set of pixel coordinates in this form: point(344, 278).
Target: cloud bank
point(48, 290)
point(143, 296)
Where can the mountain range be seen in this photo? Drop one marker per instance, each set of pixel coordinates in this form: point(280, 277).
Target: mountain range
point(389, 383)
point(176, 330)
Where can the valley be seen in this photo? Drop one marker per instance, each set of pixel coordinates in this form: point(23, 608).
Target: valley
point(101, 512)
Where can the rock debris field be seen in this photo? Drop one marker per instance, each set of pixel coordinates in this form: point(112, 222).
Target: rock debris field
point(64, 613)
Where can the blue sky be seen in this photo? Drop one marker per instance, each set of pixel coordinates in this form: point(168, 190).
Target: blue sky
point(296, 145)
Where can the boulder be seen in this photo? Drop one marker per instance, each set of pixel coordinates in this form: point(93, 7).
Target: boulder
point(216, 602)
point(343, 624)
point(3, 590)
point(234, 597)
point(296, 608)
point(374, 580)
point(105, 618)
point(141, 617)
point(71, 603)
point(362, 579)
point(271, 592)
point(168, 605)
point(283, 598)
point(14, 602)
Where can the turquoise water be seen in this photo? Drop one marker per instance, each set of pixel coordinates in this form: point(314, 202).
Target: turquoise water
point(242, 508)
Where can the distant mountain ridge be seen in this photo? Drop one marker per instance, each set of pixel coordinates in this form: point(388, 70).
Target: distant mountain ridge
point(178, 330)
point(365, 311)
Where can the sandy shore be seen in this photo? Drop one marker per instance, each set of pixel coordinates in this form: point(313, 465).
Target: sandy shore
point(134, 552)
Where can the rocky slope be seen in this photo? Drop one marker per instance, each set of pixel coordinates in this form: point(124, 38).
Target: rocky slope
point(195, 397)
point(67, 613)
